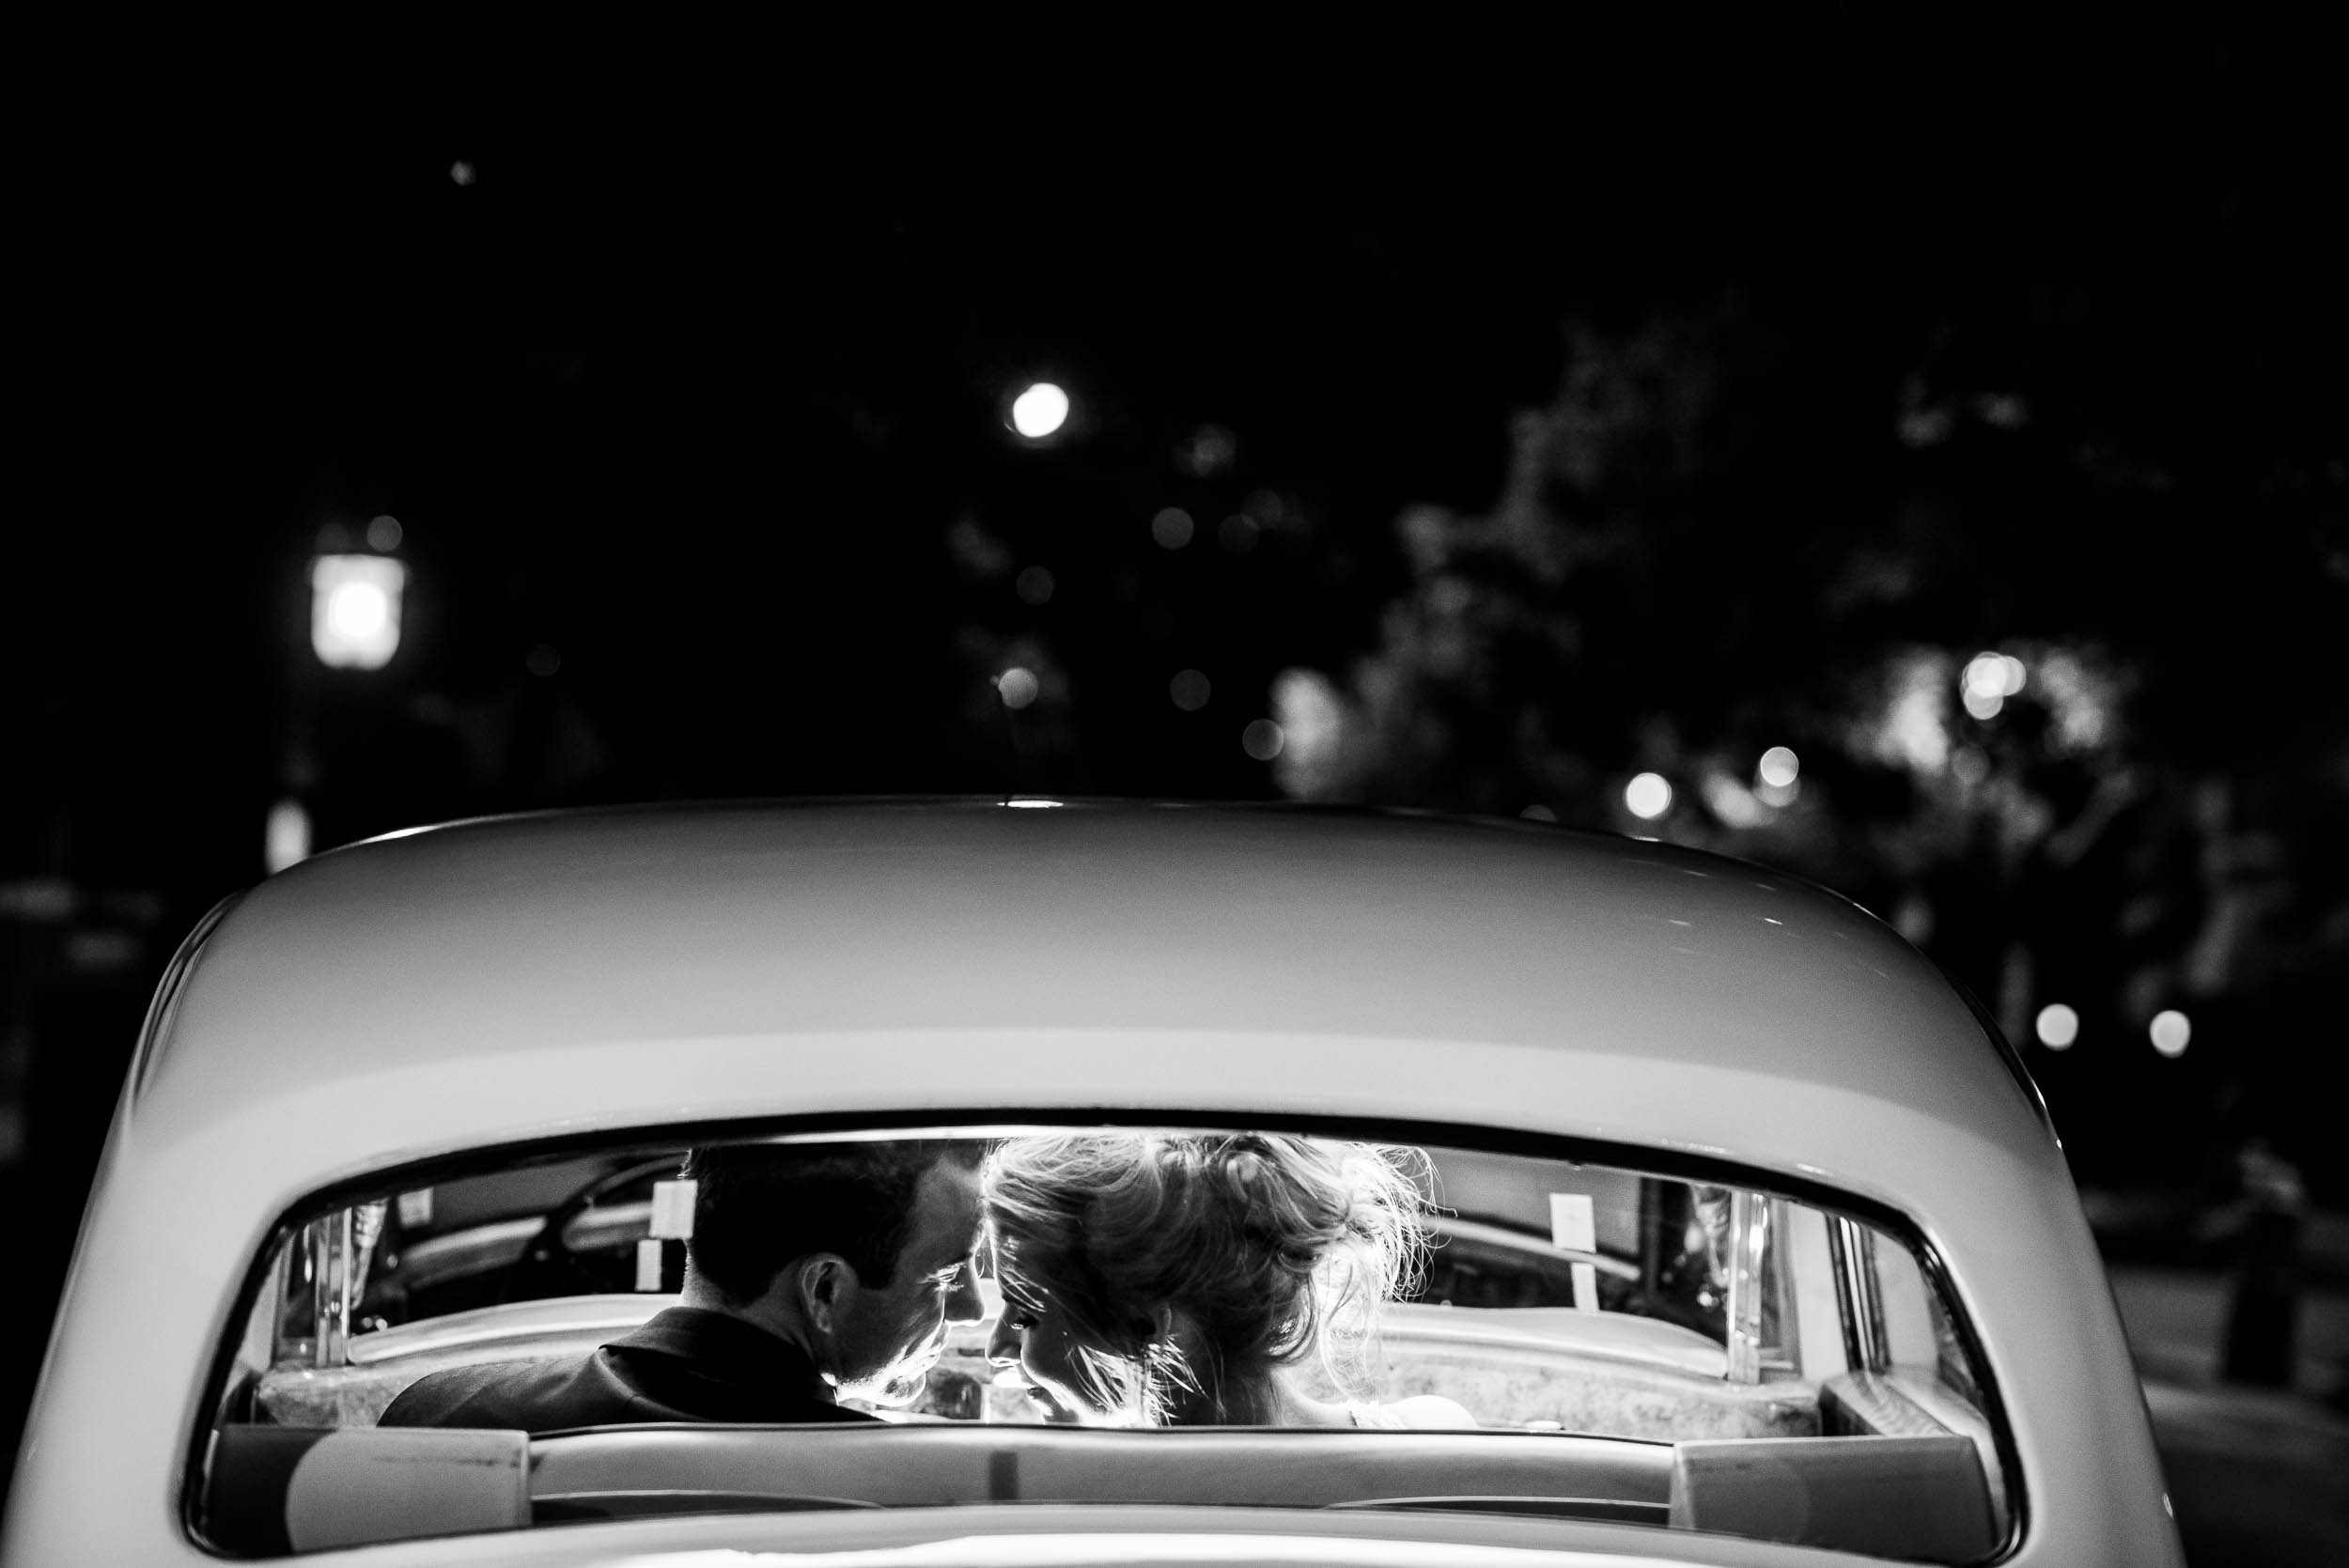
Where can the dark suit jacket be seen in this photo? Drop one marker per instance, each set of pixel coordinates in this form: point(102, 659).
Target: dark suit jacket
point(686, 1364)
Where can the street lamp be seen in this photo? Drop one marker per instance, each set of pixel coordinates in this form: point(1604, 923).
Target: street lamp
point(1039, 410)
point(355, 610)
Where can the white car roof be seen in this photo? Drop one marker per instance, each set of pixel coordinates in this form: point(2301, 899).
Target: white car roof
point(1098, 925)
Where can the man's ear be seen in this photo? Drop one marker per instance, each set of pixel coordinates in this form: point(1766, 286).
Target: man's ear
point(819, 1284)
point(1170, 1325)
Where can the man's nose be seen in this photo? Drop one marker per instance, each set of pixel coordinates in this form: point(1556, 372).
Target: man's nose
point(965, 1304)
point(1002, 1344)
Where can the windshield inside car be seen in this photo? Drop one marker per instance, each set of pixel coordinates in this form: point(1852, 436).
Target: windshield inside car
point(1111, 1315)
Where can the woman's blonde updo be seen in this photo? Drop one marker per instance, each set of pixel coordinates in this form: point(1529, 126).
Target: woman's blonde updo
point(1190, 1267)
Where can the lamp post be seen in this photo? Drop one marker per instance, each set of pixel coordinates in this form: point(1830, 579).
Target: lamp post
point(356, 602)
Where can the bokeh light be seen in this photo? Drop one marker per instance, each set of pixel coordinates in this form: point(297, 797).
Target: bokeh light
point(1778, 765)
point(1039, 410)
point(1648, 796)
point(358, 611)
point(1190, 689)
point(2170, 1032)
point(1172, 528)
point(384, 534)
point(355, 610)
point(1999, 674)
point(1238, 534)
point(1988, 680)
point(1207, 452)
point(1262, 740)
point(1035, 585)
point(1729, 801)
point(2058, 1026)
point(1018, 687)
point(286, 838)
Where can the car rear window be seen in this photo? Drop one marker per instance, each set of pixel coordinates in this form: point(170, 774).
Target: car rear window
point(1262, 1317)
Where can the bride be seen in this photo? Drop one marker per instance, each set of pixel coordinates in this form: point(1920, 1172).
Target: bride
point(1183, 1280)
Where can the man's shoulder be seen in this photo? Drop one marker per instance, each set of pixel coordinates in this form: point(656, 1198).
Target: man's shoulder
point(501, 1394)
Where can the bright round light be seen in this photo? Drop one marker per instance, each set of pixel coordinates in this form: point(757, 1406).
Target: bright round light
point(2170, 1032)
point(1039, 410)
point(359, 609)
point(2058, 1026)
point(1017, 685)
point(1262, 740)
point(1991, 678)
point(1982, 703)
point(1778, 765)
point(1648, 796)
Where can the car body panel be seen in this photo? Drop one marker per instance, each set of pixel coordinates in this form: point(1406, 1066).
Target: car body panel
point(539, 978)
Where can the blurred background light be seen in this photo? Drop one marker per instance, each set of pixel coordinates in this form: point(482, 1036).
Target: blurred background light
point(286, 837)
point(355, 610)
point(1999, 674)
point(1914, 734)
point(1648, 796)
point(384, 534)
point(1238, 534)
point(543, 660)
point(1989, 679)
point(1190, 689)
point(1017, 685)
point(1035, 585)
point(1039, 410)
point(1262, 739)
point(1778, 765)
point(2058, 1026)
point(1172, 528)
point(1207, 452)
point(1731, 800)
point(461, 172)
point(2170, 1032)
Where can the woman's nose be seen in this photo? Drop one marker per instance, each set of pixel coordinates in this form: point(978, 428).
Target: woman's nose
point(1003, 1343)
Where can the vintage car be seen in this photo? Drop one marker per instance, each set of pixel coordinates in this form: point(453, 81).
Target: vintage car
point(1753, 1243)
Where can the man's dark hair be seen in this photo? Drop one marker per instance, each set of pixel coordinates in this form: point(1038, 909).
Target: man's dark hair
point(757, 1207)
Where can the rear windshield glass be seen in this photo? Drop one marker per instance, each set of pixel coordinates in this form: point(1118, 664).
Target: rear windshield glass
point(1101, 1315)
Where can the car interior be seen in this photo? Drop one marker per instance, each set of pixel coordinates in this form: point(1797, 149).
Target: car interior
point(1638, 1342)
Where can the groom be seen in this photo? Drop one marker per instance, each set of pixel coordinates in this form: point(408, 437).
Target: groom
point(813, 1275)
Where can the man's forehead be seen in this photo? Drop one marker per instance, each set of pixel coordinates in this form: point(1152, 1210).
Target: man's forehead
point(946, 1213)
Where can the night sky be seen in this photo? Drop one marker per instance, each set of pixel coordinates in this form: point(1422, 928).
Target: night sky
point(687, 387)
point(691, 395)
